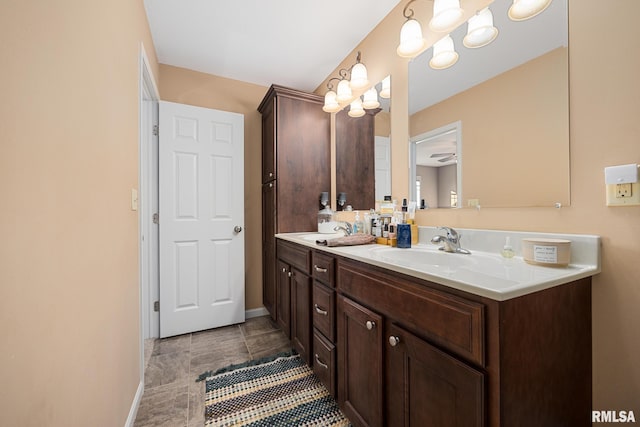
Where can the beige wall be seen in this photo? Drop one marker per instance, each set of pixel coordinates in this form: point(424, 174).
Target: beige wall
point(204, 90)
point(69, 292)
point(604, 112)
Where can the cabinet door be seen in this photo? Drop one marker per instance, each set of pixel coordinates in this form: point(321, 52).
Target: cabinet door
point(269, 141)
point(355, 158)
point(283, 296)
point(269, 248)
point(428, 388)
point(360, 373)
point(301, 314)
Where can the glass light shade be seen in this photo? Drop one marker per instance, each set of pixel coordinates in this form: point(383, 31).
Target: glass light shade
point(359, 77)
point(444, 54)
point(330, 102)
point(521, 10)
point(344, 91)
point(370, 99)
point(411, 40)
point(385, 92)
point(480, 30)
point(356, 109)
point(446, 15)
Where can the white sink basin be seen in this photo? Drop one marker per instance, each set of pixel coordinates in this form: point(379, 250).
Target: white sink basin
point(422, 257)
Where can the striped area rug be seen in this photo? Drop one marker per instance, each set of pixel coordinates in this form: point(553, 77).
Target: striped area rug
point(279, 391)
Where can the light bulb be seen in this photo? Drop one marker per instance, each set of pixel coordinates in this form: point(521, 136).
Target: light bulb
point(480, 30)
point(444, 54)
point(411, 40)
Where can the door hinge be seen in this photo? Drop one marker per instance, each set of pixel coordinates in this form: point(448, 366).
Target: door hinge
point(156, 306)
point(156, 218)
point(156, 130)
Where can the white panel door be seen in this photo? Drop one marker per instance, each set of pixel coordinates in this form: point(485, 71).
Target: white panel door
point(201, 162)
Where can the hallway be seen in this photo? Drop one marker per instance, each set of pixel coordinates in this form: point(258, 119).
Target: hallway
point(172, 397)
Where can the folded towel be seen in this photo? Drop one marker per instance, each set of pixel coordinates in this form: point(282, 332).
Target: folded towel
point(354, 239)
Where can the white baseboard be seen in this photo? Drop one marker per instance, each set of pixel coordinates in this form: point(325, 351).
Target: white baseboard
point(255, 312)
point(135, 405)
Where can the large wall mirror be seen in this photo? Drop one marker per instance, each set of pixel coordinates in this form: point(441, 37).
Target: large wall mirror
point(510, 100)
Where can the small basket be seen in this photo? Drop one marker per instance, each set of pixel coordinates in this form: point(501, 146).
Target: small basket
point(549, 252)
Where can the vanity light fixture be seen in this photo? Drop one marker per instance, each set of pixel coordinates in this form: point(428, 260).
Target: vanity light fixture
point(521, 10)
point(447, 15)
point(385, 92)
point(358, 80)
point(356, 109)
point(480, 30)
point(444, 54)
point(370, 99)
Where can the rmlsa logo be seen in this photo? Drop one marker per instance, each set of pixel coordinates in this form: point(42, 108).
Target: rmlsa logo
point(613, 417)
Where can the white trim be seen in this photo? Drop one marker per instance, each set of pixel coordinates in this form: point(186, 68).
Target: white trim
point(255, 312)
point(133, 412)
point(146, 88)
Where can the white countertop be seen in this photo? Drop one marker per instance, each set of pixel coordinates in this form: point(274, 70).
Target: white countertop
point(485, 272)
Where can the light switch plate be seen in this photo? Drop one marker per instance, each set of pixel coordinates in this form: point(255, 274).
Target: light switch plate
point(623, 194)
point(134, 199)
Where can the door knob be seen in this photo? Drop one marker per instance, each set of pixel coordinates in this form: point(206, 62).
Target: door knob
point(237, 229)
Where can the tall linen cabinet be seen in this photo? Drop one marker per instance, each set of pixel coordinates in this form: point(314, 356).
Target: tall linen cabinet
point(296, 168)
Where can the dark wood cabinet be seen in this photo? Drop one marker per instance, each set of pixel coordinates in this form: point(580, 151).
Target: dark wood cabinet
point(355, 158)
point(427, 387)
point(410, 352)
point(301, 314)
point(295, 170)
point(360, 374)
point(283, 297)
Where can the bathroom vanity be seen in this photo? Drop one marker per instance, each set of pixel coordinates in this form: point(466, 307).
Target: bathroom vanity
point(424, 338)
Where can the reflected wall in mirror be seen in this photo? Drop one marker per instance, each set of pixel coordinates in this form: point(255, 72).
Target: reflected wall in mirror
point(363, 159)
point(512, 100)
point(435, 173)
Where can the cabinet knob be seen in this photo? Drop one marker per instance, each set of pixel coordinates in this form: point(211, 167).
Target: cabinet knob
point(284, 270)
point(270, 174)
point(394, 341)
point(289, 274)
point(319, 362)
point(370, 324)
point(320, 310)
point(320, 269)
point(271, 185)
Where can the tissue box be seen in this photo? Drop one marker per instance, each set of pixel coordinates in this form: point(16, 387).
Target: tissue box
point(550, 252)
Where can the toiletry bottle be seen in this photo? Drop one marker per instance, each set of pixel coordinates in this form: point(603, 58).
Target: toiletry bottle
point(507, 250)
point(358, 225)
point(403, 236)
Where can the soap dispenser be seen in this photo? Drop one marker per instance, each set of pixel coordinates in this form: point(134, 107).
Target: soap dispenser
point(507, 250)
point(358, 225)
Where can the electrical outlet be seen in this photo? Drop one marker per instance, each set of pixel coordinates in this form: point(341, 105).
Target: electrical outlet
point(623, 190)
point(623, 194)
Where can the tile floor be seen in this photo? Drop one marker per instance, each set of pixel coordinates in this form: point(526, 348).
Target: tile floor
point(172, 397)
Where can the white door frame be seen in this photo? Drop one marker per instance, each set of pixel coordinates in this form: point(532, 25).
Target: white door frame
point(148, 185)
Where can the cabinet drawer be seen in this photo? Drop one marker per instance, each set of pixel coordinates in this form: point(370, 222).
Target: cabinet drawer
point(323, 268)
point(294, 255)
point(324, 359)
point(323, 309)
point(451, 322)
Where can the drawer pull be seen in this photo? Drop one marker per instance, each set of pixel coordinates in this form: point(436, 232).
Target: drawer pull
point(394, 341)
point(319, 310)
point(320, 269)
point(284, 270)
point(319, 362)
point(289, 274)
point(370, 324)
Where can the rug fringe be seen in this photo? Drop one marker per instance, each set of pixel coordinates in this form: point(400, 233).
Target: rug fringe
point(203, 376)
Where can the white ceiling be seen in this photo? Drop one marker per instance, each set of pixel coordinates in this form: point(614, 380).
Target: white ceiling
point(288, 42)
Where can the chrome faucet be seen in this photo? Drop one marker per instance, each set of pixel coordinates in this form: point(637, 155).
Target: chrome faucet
point(345, 227)
point(450, 242)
